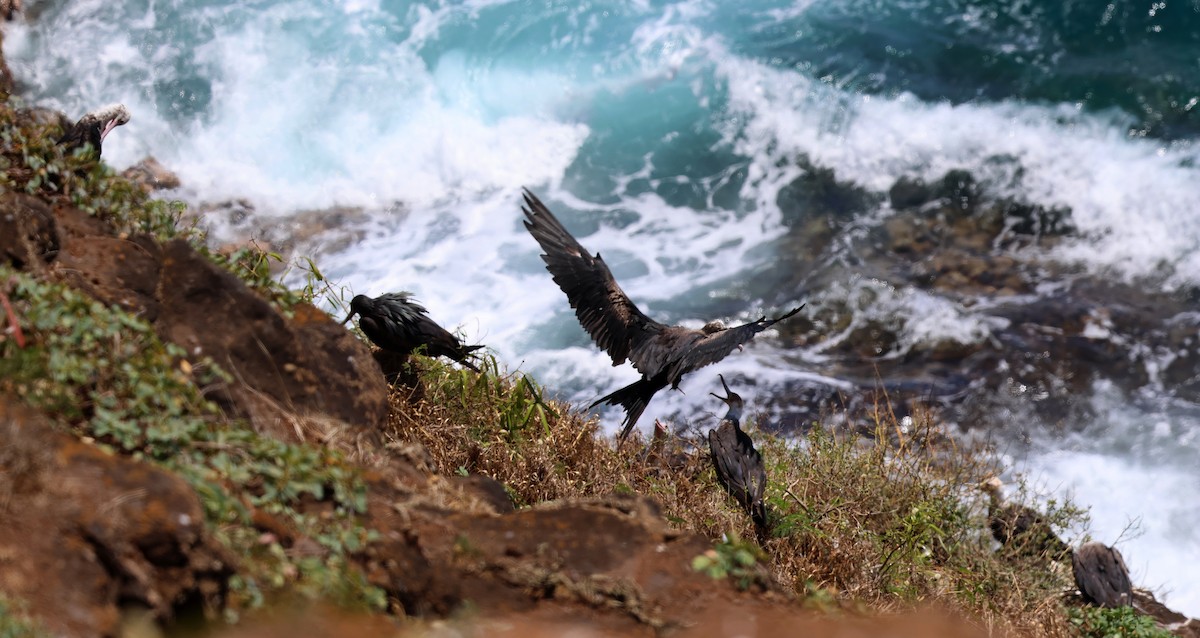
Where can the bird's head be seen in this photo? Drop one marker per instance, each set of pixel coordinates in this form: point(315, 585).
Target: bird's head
point(104, 119)
point(713, 327)
point(993, 487)
point(109, 118)
point(358, 305)
point(92, 128)
point(731, 399)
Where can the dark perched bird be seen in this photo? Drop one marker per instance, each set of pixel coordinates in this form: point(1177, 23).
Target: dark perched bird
point(1101, 575)
point(662, 353)
point(739, 466)
point(94, 127)
point(396, 323)
point(1019, 527)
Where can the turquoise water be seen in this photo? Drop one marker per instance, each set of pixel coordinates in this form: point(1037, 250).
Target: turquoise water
point(664, 132)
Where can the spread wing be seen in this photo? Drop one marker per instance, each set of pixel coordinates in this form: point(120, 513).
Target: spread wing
point(603, 309)
point(713, 347)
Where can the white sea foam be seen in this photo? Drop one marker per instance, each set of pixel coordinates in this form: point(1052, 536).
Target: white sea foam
point(1133, 199)
point(1147, 511)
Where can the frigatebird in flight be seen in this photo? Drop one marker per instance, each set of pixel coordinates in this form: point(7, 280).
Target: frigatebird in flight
point(662, 353)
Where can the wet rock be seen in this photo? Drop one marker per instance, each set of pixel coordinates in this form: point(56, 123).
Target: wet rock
point(1145, 602)
point(83, 532)
point(150, 175)
point(910, 192)
point(28, 232)
point(818, 193)
point(960, 191)
point(1029, 219)
point(237, 223)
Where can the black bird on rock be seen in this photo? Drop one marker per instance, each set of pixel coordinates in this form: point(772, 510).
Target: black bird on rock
point(662, 353)
point(397, 323)
point(1101, 575)
point(1021, 528)
point(91, 129)
point(739, 466)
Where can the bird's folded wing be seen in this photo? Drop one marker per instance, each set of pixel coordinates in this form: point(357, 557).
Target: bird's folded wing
point(603, 309)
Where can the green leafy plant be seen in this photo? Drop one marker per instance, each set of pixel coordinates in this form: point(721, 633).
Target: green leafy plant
point(1115, 622)
point(732, 558)
point(108, 375)
point(14, 623)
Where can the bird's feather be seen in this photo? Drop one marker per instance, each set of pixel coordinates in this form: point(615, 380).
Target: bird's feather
point(614, 322)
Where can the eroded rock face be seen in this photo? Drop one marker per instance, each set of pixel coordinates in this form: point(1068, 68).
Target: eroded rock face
point(28, 232)
point(83, 532)
point(301, 366)
point(308, 364)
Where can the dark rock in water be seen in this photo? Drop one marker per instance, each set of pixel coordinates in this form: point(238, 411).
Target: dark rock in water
point(150, 175)
point(1029, 219)
point(28, 232)
point(237, 223)
point(910, 192)
point(960, 191)
point(1048, 334)
point(818, 194)
point(84, 533)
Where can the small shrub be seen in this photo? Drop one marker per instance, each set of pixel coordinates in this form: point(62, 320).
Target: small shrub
point(15, 623)
point(106, 374)
point(1115, 622)
point(732, 558)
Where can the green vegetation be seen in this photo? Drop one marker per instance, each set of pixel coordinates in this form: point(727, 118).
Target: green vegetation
point(1118, 622)
point(888, 520)
point(732, 558)
point(107, 374)
point(15, 624)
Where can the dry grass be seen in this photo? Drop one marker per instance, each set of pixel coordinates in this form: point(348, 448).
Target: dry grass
point(879, 524)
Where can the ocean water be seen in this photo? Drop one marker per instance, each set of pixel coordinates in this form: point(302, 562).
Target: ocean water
point(663, 134)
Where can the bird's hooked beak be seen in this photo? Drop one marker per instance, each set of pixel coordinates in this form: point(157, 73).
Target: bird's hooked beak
point(348, 317)
point(728, 394)
point(112, 124)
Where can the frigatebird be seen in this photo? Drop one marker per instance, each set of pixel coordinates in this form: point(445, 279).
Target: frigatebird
point(1019, 527)
point(397, 323)
point(1101, 575)
point(662, 353)
point(738, 465)
point(92, 128)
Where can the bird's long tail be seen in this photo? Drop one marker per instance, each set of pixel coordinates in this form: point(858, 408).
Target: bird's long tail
point(634, 398)
point(762, 526)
